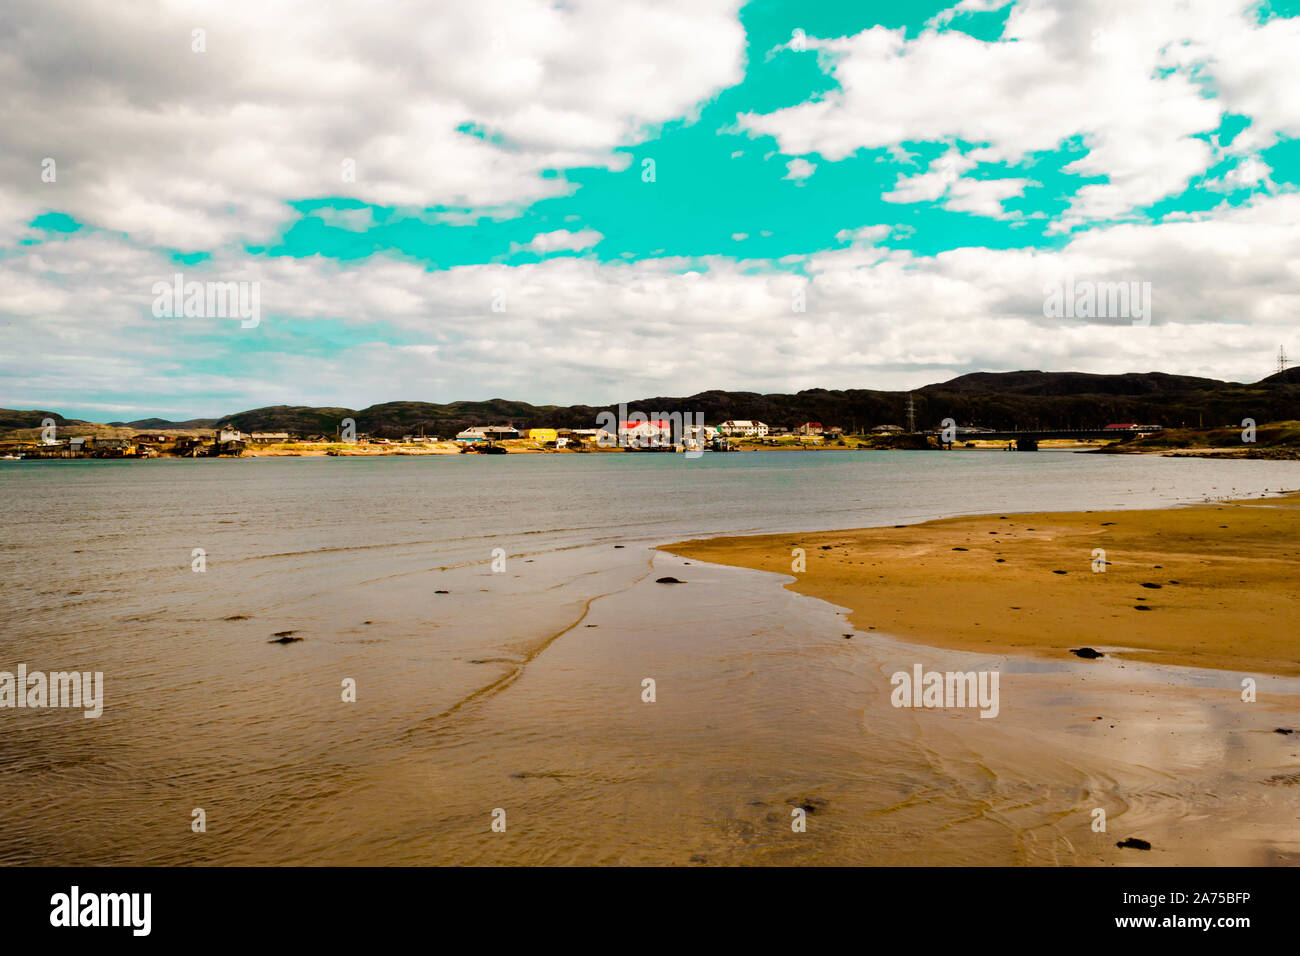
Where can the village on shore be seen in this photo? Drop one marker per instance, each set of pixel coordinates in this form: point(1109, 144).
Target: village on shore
point(637, 435)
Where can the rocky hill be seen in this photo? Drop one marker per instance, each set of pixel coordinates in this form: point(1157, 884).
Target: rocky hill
point(1024, 399)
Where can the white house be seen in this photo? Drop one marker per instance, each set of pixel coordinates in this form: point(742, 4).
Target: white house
point(743, 428)
point(698, 437)
point(487, 433)
point(704, 433)
point(645, 434)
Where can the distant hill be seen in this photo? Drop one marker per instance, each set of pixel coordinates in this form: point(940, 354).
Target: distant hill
point(1081, 400)
point(1289, 377)
point(1023, 399)
point(12, 418)
point(300, 419)
point(161, 423)
point(1027, 399)
point(1074, 383)
point(27, 425)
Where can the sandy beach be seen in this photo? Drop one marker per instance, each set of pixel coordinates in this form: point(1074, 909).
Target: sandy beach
point(1200, 586)
point(1155, 734)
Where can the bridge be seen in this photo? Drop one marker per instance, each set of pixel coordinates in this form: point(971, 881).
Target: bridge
point(1028, 439)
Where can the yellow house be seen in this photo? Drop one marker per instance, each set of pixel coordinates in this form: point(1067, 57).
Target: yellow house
point(541, 434)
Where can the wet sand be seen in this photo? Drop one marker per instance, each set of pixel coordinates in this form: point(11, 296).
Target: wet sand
point(1211, 585)
point(1168, 750)
point(522, 691)
point(764, 705)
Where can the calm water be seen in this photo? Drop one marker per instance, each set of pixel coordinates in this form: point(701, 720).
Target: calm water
point(517, 689)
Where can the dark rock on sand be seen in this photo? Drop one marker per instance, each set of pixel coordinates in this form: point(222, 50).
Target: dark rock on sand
point(1134, 843)
point(810, 804)
point(1283, 730)
point(1086, 652)
point(668, 580)
point(284, 637)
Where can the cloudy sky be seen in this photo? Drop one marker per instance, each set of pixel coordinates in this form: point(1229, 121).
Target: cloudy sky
point(599, 200)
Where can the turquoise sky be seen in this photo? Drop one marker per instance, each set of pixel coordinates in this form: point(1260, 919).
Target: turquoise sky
point(720, 193)
point(713, 181)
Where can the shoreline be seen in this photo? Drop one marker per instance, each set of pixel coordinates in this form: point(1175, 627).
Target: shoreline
point(1274, 449)
point(1213, 580)
point(1266, 454)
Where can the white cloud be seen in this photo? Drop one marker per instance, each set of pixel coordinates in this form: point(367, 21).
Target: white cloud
point(934, 183)
point(865, 234)
point(1224, 295)
point(1249, 173)
point(799, 169)
point(984, 197)
point(970, 6)
point(562, 240)
point(1115, 75)
point(191, 150)
point(944, 181)
point(200, 150)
